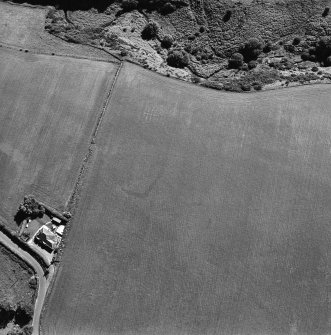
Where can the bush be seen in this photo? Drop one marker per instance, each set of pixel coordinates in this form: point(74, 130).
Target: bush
point(227, 16)
point(167, 41)
point(150, 31)
point(236, 61)
point(312, 58)
point(328, 61)
point(251, 49)
point(267, 47)
point(178, 58)
point(244, 67)
point(257, 86)
point(305, 56)
point(314, 69)
point(167, 8)
point(252, 64)
point(289, 47)
point(326, 12)
point(312, 50)
point(296, 40)
point(129, 5)
point(246, 87)
point(27, 330)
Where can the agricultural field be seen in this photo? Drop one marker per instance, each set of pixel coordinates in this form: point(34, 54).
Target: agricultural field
point(204, 213)
point(48, 108)
point(24, 27)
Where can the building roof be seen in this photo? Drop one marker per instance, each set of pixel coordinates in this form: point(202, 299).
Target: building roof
point(56, 220)
point(47, 238)
point(60, 230)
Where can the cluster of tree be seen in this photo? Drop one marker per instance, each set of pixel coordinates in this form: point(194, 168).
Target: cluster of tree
point(21, 314)
point(320, 52)
point(247, 55)
point(30, 208)
point(162, 6)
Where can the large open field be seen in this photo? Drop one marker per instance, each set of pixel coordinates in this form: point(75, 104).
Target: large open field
point(48, 108)
point(204, 213)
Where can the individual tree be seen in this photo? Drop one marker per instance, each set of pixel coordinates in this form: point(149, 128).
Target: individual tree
point(167, 8)
point(251, 49)
point(150, 31)
point(178, 58)
point(129, 5)
point(167, 41)
point(236, 61)
point(296, 40)
point(323, 50)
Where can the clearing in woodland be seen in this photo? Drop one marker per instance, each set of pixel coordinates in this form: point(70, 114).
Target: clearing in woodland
point(204, 213)
point(48, 108)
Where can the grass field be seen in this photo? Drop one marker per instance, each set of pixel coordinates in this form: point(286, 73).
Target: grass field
point(48, 108)
point(23, 27)
point(14, 279)
point(204, 213)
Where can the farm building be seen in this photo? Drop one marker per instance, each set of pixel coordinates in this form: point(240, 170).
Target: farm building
point(56, 221)
point(60, 230)
point(47, 239)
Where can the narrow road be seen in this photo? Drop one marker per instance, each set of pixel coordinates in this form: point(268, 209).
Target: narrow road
point(43, 282)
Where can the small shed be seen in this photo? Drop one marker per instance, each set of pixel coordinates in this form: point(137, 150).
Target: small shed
point(56, 221)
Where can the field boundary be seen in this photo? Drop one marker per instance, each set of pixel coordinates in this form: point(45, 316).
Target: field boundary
point(28, 5)
point(72, 200)
point(75, 196)
point(22, 49)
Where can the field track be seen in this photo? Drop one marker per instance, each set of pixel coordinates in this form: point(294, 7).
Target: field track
point(204, 213)
point(49, 107)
